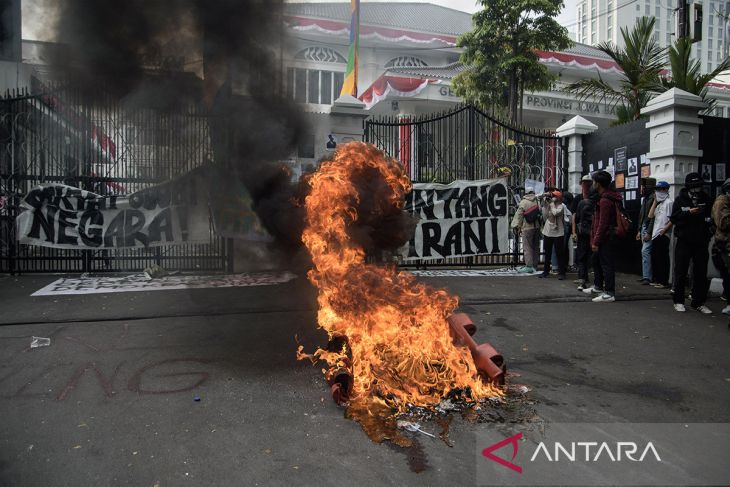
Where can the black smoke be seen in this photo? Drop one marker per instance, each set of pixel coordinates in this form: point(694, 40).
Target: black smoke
point(222, 54)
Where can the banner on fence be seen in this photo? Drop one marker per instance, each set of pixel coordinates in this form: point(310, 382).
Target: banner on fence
point(460, 219)
point(60, 216)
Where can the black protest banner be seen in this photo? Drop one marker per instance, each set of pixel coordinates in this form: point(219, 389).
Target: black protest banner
point(60, 216)
point(460, 219)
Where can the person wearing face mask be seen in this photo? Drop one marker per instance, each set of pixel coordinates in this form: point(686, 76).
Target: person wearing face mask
point(553, 232)
point(721, 247)
point(691, 219)
point(659, 213)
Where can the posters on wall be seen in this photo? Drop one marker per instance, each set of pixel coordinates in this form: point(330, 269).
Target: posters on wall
point(707, 173)
point(620, 158)
point(632, 182)
point(720, 173)
point(633, 168)
point(460, 219)
point(534, 185)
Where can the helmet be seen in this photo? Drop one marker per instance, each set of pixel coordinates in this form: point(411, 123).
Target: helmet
point(664, 185)
point(693, 180)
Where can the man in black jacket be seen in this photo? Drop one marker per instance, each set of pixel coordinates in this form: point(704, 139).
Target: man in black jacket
point(582, 224)
point(691, 219)
point(645, 229)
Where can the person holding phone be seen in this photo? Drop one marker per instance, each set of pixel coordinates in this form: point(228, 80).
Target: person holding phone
point(692, 227)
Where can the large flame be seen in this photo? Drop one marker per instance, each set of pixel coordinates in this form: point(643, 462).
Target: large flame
point(398, 345)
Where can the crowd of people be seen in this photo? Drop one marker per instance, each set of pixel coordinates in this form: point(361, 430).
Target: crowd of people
point(595, 221)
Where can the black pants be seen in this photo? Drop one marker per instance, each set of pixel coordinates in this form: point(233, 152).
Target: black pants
point(660, 259)
point(559, 245)
point(583, 256)
point(721, 258)
point(684, 253)
point(604, 268)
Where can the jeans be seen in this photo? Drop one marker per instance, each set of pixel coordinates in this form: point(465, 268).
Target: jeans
point(684, 253)
point(531, 247)
point(558, 244)
point(660, 259)
point(646, 263)
point(721, 259)
point(583, 256)
point(604, 270)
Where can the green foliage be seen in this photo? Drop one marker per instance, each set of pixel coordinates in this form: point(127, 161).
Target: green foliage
point(641, 60)
point(500, 52)
point(686, 74)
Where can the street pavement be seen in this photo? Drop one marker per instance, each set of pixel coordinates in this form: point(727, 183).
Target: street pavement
point(202, 387)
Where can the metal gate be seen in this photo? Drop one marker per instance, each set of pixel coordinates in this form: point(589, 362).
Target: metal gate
point(469, 144)
point(58, 136)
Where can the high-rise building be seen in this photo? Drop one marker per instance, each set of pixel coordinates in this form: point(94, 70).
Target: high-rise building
point(602, 20)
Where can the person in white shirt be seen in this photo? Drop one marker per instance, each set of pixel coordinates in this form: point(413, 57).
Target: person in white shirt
point(553, 232)
point(661, 210)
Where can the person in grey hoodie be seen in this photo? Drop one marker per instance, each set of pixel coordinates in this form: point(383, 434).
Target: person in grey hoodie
point(529, 231)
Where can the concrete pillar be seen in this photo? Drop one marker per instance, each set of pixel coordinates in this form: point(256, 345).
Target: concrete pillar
point(346, 119)
point(574, 129)
point(674, 134)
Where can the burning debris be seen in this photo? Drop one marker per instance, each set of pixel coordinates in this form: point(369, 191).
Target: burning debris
point(395, 344)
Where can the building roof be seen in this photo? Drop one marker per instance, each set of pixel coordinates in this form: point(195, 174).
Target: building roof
point(586, 50)
point(416, 16)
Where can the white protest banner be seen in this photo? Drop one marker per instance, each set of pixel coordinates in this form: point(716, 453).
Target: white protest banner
point(60, 216)
point(459, 219)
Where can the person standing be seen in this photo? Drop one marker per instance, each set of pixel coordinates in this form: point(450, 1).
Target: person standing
point(525, 223)
point(721, 247)
point(553, 232)
point(691, 219)
point(582, 221)
point(645, 230)
point(603, 237)
point(659, 213)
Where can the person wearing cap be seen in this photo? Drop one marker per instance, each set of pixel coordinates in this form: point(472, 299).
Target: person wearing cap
point(721, 247)
point(602, 238)
point(529, 231)
point(659, 213)
point(691, 219)
point(645, 230)
point(553, 232)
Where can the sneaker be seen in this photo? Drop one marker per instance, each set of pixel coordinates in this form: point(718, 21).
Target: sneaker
point(704, 310)
point(526, 270)
point(592, 289)
point(577, 281)
point(561, 277)
point(726, 310)
point(645, 282)
point(679, 307)
point(604, 298)
point(583, 286)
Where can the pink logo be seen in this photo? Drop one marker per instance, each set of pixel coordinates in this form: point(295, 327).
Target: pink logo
point(487, 452)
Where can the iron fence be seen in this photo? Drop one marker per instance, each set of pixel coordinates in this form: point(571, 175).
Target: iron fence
point(468, 144)
point(57, 135)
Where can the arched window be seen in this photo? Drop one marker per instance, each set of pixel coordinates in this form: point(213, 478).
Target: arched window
point(406, 62)
point(321, 55)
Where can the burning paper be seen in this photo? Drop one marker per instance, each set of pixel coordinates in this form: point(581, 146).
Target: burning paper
point(388, 329)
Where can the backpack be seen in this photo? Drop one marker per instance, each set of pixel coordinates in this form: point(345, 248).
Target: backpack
point(532, 214)
point(623, 222)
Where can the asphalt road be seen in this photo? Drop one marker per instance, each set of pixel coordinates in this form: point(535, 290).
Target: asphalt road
point(113, 401)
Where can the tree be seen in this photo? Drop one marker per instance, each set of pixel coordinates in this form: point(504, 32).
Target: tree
point(686, 74)
point(641, 62)
point(500, 52)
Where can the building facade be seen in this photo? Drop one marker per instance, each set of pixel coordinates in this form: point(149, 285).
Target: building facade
point(407, 71)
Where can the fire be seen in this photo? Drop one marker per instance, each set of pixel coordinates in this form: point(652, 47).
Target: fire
point(391, 331)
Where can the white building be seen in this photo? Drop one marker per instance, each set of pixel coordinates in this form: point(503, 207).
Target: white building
point(602, 20)
point(408, 59)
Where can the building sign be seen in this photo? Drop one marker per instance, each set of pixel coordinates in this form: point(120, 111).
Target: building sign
point(568, 105)
point(459, 219)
